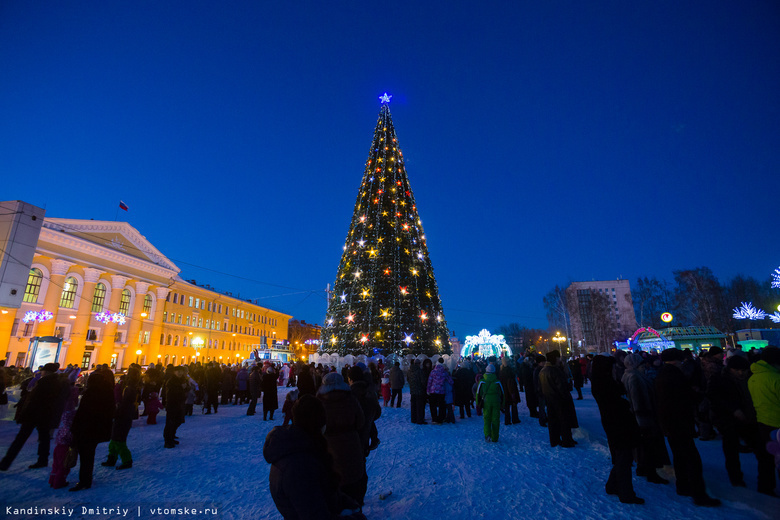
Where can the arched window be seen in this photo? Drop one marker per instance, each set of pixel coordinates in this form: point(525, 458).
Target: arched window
point(147, 304)
point(184, 341)
point(162, 339)
point(176, 341)
point(33, 286)
point(124, 303)
point(99, 298)
point(68, 297)
point(170, 338)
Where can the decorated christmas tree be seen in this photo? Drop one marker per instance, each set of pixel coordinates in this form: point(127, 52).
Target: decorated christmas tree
point(385, 298)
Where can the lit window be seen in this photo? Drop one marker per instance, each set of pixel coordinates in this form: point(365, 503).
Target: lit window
point(33, 286)
point(124, 303)
point(99, 298)
point(147, 304)
point(68, 297)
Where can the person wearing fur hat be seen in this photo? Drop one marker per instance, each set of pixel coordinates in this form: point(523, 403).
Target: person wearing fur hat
point(619, 425)
point(41, 411)
point(734, 415)
point(676, 408)
point(562, 416)
point(300, 460)
point(651, 453)
point(345, 421)
point(270, 391)
point(764, 386)
point(491, 399)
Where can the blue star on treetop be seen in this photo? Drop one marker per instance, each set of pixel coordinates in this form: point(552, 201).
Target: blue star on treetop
point(384, 98)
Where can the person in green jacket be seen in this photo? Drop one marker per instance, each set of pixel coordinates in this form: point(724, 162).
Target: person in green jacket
point(490, 396)
point(764, 386)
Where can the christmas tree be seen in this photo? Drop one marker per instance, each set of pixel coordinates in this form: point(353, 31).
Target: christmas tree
point(385, 298)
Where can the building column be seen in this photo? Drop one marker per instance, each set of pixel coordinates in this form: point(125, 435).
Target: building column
point(153, 348)
point(51, 302)
point(136, 321)
point(109, 330)
point(78, 332)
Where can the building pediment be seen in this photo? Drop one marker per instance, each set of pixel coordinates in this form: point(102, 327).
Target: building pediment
point(113, 238)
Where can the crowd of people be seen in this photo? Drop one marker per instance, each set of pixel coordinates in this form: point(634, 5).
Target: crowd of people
point(645, 400)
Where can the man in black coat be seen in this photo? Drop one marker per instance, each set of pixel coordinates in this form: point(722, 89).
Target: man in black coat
point(619, 425)
point(176, 389)
point(676, 409)
point(464, 381)
point(213, 381)
point(92, 423)
point(562, 416)
point(369, 403)
point(255, 382)
point(508, 379)
point(42, 411)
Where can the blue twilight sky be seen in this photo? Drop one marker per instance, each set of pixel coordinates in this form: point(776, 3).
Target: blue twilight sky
point(545, 142)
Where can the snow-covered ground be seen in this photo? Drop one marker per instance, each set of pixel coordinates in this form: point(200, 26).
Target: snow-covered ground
point(445, 471)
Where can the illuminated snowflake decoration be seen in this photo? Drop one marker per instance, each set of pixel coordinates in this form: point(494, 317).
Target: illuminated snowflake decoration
point(776, 279)
point(774, 317)
point(385, 98)
point(485, 344)
point(748, 312)
point(42, 315)
point(117, 317)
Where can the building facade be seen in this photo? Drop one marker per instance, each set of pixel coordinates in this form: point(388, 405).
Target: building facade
point(600, 312)
point(111, 297)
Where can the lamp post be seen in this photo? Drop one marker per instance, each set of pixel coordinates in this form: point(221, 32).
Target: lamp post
point(558, 339)
point(138, 356)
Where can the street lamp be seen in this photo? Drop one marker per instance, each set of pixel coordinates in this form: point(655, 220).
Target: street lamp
point(138, 355)
point(558, 339)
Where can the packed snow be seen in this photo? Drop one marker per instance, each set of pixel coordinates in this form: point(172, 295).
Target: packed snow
point(433, 471)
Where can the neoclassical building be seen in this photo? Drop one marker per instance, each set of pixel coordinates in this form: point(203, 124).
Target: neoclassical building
point(113, 298)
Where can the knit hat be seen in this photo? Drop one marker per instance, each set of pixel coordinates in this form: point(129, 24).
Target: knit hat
point(51, 367)
point(632, 361)
point(672, 354)
point(553, 356)
point(333, 381)
point(491, 369)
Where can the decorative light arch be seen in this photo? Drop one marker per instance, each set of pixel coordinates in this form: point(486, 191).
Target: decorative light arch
point(647, 329)
point(485, 344)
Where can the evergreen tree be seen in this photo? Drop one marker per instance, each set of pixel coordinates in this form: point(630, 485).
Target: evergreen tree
point(385, 298)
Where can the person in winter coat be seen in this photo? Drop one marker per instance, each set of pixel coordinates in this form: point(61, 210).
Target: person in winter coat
point(619, 425)
point(734, 416)
point(436, 392)
point(526, 376)
point(345, 421)
point(385, 386)
point(289, 402)
point(92, 423)
point(490, 399)
point(540, 361)
point(651, 453)
point(396, 384)
point(59, 468)
point(41, 411)
point(764, 386)
point(270, 397)
point(417, 393)
point(242, 380)
point(464, 381)
point(213, 382)
point(255, 388)
point(562, 416)
point(449, 398)
point(126, 410)
point(176, 389)
point(228, 385)
point(508, 379)
point(369, 403)
point(299, 459)
point(427, 368)
point(676, 409)
point(576, 376)
point(154, 405)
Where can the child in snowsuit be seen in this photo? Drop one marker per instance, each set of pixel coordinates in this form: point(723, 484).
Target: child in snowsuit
point(490, 395)
point(153, 406)
point(287, 407)
point(386, 387)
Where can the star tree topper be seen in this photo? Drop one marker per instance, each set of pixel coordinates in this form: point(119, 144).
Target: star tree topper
point(384, 98)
